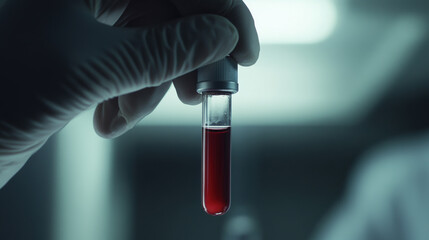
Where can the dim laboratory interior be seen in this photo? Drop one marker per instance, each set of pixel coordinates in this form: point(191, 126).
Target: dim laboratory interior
point(324, 137)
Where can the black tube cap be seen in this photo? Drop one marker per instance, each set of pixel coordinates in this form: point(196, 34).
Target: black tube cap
point(220, 76)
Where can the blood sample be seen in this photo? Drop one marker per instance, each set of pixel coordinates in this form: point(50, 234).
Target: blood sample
point(216, 169)
point(217, 82)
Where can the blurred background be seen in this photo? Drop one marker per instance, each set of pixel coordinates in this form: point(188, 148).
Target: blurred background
point(335, 80)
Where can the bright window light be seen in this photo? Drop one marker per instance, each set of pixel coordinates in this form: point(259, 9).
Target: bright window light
point(293, 21)
point(82, 184)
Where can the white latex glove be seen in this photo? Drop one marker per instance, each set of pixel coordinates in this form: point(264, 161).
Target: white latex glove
point(57, 60)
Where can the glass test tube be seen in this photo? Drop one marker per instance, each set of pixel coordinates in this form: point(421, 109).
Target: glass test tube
point(216, 152)
point(217, 82)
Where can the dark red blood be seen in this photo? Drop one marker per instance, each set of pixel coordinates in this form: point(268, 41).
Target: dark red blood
point(216, 170)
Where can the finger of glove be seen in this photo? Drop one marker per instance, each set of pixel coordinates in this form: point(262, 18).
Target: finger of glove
point(107, 11)
point(150, 56)
point(107, 118)
point(135, 106)
point(146, 13)
point(186, 88)
point(116, 116)
point(247, 50)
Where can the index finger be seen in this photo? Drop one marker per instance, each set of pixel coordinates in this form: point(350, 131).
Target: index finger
point(246, 52)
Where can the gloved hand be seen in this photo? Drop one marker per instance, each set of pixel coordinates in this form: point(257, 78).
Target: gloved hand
point(57, 60)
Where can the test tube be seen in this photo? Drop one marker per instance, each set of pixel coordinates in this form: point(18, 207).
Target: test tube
point(217, 82)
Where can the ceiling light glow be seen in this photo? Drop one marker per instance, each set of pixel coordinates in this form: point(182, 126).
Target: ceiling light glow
point(293, 21)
